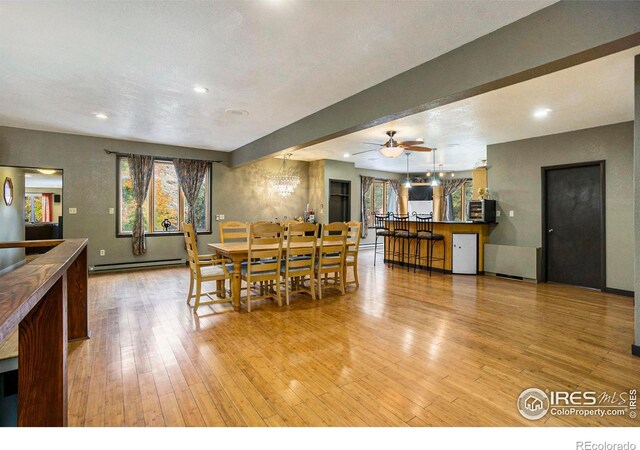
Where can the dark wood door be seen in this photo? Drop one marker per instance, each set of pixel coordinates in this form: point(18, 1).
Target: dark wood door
point(574, 231)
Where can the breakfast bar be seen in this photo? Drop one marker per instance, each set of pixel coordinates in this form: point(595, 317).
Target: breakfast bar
point(445, 229)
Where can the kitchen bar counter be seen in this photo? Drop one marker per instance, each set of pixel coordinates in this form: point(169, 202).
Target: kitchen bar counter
point(447, 229)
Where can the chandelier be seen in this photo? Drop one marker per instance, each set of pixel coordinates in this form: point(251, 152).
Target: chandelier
point(284, 182)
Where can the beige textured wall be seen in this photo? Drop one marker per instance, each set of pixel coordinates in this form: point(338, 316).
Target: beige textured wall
point(243, 194)
point(523, 160)
point(316, 189)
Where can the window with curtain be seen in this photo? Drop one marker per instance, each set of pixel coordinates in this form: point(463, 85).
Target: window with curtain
point(164, 201)
point(460, 200)
point(379, 200)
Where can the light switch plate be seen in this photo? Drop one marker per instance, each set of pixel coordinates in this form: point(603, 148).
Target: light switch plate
point(217, 216)
point(510, 213)
point(221, 216)
point(73, 210)
point(497, 213)
point(111, 210)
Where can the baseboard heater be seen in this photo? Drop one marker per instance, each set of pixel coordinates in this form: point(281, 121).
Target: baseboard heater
point(513, 262)
point(137, 265)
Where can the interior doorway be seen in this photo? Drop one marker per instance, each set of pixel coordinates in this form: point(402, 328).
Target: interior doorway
point(573, 224)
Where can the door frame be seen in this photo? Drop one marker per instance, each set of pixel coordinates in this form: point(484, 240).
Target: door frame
point(603, 203)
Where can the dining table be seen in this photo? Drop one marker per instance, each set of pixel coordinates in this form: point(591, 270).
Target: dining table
point(238, 252)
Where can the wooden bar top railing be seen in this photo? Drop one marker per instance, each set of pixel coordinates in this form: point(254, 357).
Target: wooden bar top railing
point(46, 300)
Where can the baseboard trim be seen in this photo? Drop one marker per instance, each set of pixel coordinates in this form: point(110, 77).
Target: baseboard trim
point(618, 292)
point(635, 350)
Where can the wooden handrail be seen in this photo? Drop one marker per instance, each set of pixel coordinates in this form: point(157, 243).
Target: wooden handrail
point(38, 243)
point(47, 300)
point(21, 289)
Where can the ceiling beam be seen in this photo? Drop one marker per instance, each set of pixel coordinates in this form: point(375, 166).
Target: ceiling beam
point(562, 35)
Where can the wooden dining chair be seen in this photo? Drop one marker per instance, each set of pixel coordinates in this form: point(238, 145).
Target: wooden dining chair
point(263, 264)
point(331, 255)
point(299, 261)
point(354, 230)
point(203, 268)
point(233, 231)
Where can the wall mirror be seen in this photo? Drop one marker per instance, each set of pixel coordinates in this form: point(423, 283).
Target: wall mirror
point(8, 191)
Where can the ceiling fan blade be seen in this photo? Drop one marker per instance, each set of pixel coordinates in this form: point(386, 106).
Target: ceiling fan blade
point(374, 143)
point(405, 143)
point(414, 148)
point(366, 151)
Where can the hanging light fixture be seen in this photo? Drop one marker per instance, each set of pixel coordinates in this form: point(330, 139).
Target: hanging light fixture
point(441, 171)
point(284, 182)
point(391, 149)
point(407, 183)
point(434, 180)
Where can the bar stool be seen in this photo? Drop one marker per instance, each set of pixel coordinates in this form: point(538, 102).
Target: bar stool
point(424, 232)
point(381, 225)
point(401, 233)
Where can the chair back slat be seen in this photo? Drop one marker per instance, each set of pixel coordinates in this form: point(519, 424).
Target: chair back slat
point(332, 244)
point(354, 231)
point(233, 231)
point(302, 259)
point(381, 221)
point(424, 224)
point(192, 246)
point(400, 222)
point(265, 249)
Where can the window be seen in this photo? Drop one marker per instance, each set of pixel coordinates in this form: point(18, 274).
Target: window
point(379, 200)
point(460, 199)
point(165, 200)
point(32, 208)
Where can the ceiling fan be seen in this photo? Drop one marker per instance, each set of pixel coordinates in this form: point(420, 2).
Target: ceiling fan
point(393, 148)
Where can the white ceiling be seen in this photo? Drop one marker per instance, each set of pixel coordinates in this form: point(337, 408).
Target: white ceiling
point(596, 93)
point(63, 61)
point(35, 179)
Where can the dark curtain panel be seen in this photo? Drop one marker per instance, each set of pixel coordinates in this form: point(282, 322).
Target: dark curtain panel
point(141, 169)
point(448, 188)
point(365, 185)
point(191, 173)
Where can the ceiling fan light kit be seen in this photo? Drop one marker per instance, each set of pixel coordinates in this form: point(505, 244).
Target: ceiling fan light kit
point(393, 148)
point(391, 152)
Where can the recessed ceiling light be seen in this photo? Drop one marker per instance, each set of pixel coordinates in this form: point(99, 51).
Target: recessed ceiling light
point(200, 89)
point(540, 113)
point(420, 139)
point(346, 155)
point(237, 112)
point(102, 116)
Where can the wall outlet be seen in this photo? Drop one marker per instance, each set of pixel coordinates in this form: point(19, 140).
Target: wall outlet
point(498, 213)
point(111, 210)
point(73, 210)
point(510, 213)
point(102, 253)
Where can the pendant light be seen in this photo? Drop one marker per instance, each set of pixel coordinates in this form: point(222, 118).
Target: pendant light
point(407, 183)
point(434, 180)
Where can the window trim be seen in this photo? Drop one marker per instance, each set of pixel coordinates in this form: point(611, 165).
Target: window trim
point(150, 233)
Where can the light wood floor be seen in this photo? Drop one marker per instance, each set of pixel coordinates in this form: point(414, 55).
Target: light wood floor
point(402, 350)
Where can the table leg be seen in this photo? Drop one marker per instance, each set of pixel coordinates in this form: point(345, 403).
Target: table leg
point(237, 284)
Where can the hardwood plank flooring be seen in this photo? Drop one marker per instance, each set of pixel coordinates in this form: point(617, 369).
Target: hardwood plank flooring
point(404, 350)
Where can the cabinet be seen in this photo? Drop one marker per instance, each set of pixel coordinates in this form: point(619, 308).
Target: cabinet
point(339, 201)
